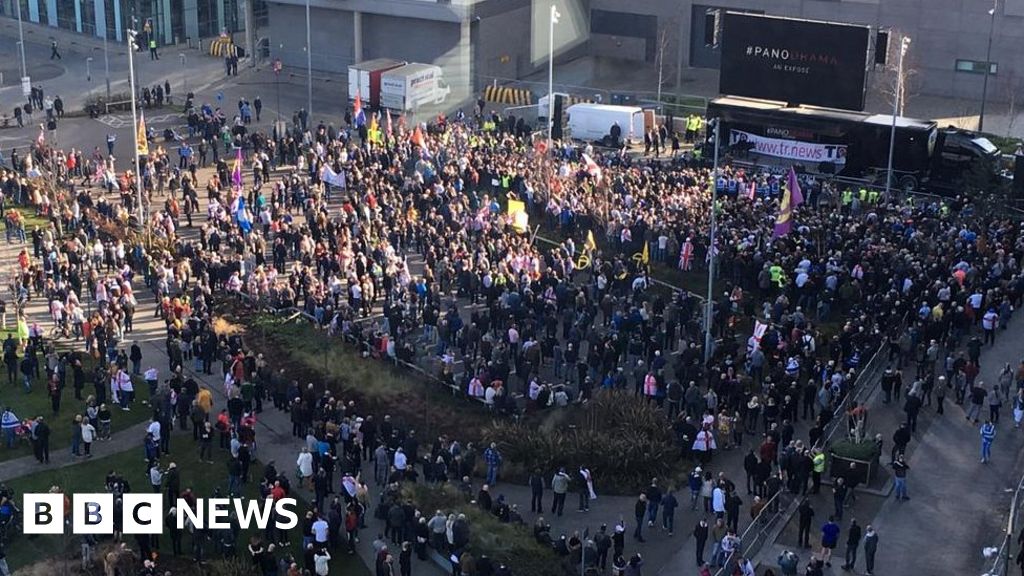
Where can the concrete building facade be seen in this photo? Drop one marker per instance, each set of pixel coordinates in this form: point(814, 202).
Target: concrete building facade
point(468, 39)
point(480, 40)
point(950, 38)
point(168, 21)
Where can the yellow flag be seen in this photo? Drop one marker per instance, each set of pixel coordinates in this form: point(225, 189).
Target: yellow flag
point(590, 244)
point(520, 219)
point(642, 257)
point(141, 144)
point(373, 131)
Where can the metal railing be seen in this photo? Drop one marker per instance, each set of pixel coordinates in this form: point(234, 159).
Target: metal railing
point(363, 345)
point(685, 103)
point(1001, 561)
point(756, 533)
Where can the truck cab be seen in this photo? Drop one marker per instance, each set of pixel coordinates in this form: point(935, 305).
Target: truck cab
point(956, 151)
point(959, 148)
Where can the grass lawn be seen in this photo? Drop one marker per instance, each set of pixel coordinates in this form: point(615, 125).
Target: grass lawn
point(37, 403)
point(203, 478)
point(31, 220)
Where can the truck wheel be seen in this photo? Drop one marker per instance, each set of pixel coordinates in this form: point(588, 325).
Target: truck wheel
point(908, 182)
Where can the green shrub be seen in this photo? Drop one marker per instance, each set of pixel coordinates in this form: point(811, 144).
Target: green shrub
point(624, 441)
point(509, 544)
point(377, 387)
point(229, 567)
point(866, 450)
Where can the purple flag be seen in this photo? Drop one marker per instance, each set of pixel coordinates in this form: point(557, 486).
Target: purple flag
point(796, 196)
point(784, 221)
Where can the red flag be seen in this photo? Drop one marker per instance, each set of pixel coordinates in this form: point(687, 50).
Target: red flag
point(357, 106)
point(417, 137)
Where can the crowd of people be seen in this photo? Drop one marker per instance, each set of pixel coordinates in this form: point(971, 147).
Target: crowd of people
point(323, 219)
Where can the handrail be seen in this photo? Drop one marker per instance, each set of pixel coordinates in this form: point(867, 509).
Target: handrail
point(756, 522)
point(1001, 561)
point(858, 390)
point(363, 344)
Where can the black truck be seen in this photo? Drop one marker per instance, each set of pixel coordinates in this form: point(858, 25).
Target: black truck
point(855, 144)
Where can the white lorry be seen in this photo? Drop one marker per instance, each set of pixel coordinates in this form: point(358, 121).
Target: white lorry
point(409, 87)
point(364, 79)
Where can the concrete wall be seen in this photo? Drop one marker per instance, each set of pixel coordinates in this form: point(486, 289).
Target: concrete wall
point(491, 40)
point(503, 46)
point(409, 39)
point(331, 37)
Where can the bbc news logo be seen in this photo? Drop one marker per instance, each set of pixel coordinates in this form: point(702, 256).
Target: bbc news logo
point(145, 514)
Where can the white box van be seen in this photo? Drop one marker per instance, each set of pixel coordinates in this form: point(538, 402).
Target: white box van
point(408, 87)
point(593, 122)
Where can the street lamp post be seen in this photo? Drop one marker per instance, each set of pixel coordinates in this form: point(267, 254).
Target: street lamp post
point(106, 60)
point(897, 96)
point(309, 67)
point(988, 63)
point(709, 306)
point(135, 127)
point(277, 83)
point(184, 70)
point(551, 71)
point(21, 44)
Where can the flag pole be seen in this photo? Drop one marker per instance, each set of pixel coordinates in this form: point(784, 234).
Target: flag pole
point(135, 126)
point(709, 305)
point(551, 71)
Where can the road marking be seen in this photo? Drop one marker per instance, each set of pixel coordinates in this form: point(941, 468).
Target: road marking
point(123, 120)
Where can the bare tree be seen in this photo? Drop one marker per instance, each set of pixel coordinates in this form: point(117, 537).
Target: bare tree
point(662, 46)
point(896, 86)
point(1012, 86)
point(966, 117)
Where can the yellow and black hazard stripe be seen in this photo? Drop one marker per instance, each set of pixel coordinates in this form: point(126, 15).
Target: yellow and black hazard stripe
point(566, 102)
point(221, 46)
point(508, 95)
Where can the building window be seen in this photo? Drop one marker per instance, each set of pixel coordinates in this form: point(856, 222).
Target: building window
point(976, 66)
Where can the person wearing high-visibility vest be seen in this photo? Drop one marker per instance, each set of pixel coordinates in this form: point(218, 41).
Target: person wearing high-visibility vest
point(692, 126)
point(873, 196)
point(846, 200)
point(863, 193)
point(152, 49)
point(778, 275)
point(818, 463)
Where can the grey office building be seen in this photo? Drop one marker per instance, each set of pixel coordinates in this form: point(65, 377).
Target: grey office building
point(469, 39)
point(168, 21)
point(477, 41)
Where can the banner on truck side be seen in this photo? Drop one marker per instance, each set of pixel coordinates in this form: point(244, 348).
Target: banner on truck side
point(790, 149)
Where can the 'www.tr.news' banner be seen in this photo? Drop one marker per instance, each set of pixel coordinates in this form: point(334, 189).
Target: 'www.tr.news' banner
point(790, 149)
